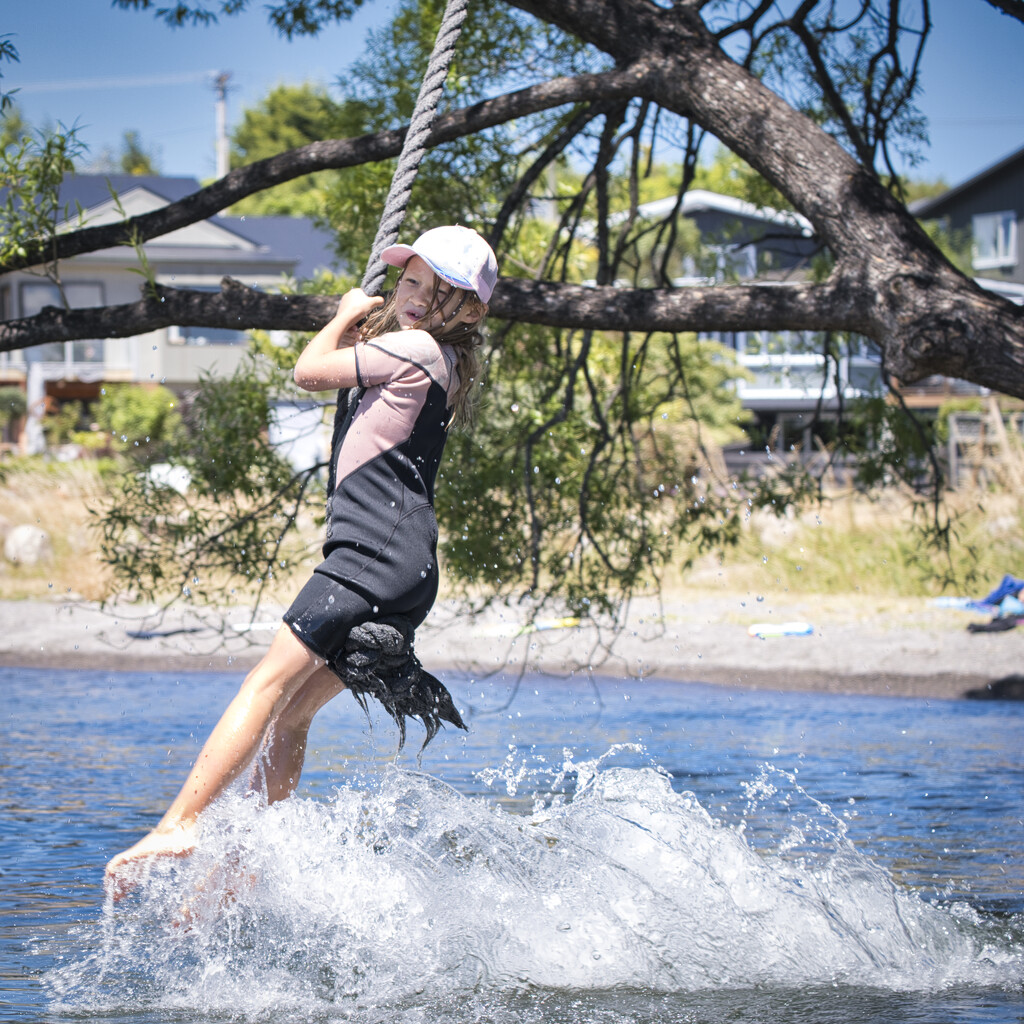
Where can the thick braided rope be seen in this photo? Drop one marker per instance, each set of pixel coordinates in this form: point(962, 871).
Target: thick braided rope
point(414, 145)
point(378, 660)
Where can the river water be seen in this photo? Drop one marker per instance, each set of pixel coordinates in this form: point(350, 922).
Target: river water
point(592, 851)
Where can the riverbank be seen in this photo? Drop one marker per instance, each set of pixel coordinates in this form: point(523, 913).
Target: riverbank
point(900, 647)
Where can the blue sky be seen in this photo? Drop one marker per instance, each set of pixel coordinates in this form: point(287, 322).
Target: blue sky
point(109, 70)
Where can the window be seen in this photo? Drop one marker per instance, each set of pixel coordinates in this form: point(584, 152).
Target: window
point(995, 240)
point(207, 335)
point(36, 295)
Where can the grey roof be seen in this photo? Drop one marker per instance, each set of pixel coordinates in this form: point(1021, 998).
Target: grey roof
point(93, 189)
point(295, 238)
point(292, 240)
point(925, 207)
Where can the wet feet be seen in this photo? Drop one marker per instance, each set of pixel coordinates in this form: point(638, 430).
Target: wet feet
point(128, 869)
point(222, 887)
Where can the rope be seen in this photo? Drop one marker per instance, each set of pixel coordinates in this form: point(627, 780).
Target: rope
point(415, 144)
point(378, 660)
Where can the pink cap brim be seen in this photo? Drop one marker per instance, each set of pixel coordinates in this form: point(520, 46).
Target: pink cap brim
point(397, 255)
point(400, 254)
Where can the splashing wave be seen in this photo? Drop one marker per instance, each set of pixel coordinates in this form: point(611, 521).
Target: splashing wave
point(401, 892)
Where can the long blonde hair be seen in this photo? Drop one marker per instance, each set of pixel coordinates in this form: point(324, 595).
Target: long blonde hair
point(465, 339)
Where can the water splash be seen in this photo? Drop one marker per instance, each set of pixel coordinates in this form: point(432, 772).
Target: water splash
point(400, 893)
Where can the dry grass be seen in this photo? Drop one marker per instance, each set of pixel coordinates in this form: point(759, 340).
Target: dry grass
point(878, 548)
point(55, 497)
point(851, 547)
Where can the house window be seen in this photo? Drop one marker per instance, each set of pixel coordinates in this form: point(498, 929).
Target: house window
point(80, 294)
point(995, 240)
point(207, 335)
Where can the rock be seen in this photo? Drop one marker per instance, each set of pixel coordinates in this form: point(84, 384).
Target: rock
point(28, 545)
point(1008, 688)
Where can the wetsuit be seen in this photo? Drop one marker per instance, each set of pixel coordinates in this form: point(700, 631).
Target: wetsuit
point(380, 555)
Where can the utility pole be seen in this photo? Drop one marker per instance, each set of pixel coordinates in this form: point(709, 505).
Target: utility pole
point(220, 84)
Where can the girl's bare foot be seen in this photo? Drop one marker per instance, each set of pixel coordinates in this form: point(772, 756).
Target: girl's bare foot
point(127, 869)
point(222, 887)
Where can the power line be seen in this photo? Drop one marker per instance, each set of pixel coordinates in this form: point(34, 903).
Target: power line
point(119, 82)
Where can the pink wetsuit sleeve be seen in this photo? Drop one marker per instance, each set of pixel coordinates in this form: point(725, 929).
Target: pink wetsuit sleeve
point(398, 356)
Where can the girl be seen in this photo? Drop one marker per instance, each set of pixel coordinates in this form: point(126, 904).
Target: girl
point(415, 359)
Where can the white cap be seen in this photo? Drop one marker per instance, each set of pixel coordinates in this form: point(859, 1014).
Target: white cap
point(456, 254)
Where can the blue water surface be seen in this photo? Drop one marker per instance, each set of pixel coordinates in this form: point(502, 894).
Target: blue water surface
point(591, 850)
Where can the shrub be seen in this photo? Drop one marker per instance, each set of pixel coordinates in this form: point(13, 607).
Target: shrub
point(134, 417)
point(13, 405)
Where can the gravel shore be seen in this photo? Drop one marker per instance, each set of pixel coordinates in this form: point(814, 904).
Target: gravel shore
point(898, 647)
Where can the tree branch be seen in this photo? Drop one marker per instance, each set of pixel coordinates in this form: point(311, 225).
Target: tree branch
point(957, 331)
point(1014, 8)
point(238, 307)
point(235, 306)
point(331, 154)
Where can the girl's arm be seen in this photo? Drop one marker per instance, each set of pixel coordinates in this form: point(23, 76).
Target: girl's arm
point(328, 361)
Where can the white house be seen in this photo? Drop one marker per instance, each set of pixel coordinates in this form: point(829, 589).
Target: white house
point(259, 251)
point(793, 387)
point(791, 384)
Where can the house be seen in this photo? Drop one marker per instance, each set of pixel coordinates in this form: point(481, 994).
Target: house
point(791, 387)
point(260, 251)
point(988, 209)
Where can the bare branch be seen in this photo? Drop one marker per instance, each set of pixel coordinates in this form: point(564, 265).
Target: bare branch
point(1014, 8)
point(235, 306)
point(328, 155)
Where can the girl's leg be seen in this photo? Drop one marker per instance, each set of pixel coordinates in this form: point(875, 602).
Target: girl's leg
point(232, 745)
point(284, 749)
